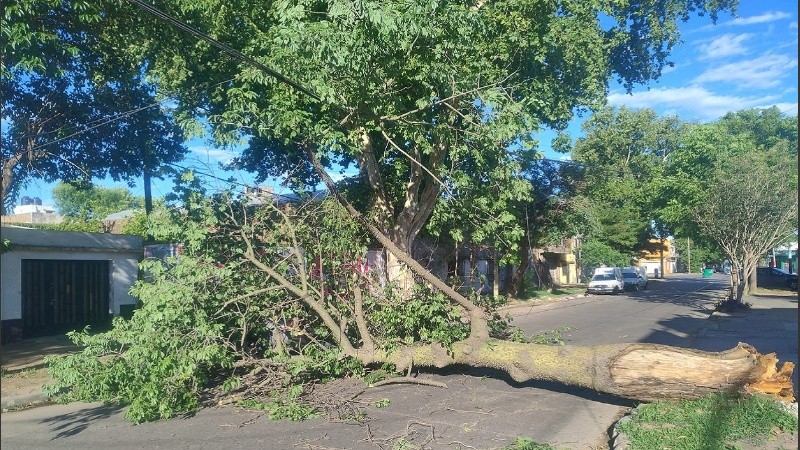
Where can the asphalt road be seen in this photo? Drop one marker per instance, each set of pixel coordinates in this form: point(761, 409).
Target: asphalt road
point(668, 312)
point(480, 409)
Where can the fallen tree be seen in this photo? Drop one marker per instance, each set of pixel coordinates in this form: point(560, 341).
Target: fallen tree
point(283, 291)
point(636, 371)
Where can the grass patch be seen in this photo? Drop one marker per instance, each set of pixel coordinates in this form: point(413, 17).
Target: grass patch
point(523, 443)
point(712, 422)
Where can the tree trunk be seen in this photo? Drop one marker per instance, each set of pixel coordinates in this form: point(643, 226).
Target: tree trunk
point(7, 180)
point(519, 274)
point(750, 273)
point(400, 224)
point(495, 274)
point(636, 371)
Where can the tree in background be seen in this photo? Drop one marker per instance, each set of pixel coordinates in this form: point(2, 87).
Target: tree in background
point(85, 206)
point(73, 107)
point(694, 181)
point(595, 254)
point(624, 153)
point(698, 253)
point(753, 209)
point(548, 216)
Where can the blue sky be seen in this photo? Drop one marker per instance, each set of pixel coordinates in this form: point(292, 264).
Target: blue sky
point(746, 61)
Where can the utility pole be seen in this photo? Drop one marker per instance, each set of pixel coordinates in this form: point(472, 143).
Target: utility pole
point(689, 250)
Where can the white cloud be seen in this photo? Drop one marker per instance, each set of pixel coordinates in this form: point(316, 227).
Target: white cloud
point(726, 45)
point(793, 25)
point(763, 72)
point(213, 154)
point(763, 18)
point(693, 102)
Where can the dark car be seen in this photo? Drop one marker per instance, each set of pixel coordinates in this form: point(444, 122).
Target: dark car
point(770, 277)
point(633, 281)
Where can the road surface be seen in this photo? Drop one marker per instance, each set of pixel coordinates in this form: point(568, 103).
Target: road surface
point(480, 408)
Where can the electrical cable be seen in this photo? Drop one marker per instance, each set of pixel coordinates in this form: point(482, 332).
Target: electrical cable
point(225, 48)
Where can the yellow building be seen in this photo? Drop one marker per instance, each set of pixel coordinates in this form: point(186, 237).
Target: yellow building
point(660, 258)
point(562, 263)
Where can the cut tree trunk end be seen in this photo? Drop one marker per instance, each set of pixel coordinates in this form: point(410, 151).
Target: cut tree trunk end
point(650, 373)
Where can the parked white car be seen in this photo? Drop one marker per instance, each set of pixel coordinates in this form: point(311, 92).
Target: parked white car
point(606, 280)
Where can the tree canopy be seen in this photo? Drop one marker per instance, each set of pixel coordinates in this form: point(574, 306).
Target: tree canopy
point(92, 203)
point(624, 153)
point(426, 98)
point(74, 106)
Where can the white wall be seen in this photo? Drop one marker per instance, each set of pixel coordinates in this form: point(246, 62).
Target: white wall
point(124, 270)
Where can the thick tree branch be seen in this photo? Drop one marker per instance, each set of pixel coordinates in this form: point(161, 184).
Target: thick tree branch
point(479, 329)
point(315, 305)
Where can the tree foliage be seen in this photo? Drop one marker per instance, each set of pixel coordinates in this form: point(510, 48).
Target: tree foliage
point(751, 214)
point(625, 152)
point(255, 285)
point(424, 97)
point(92, 203)
point(597, 254)
point(74, 106)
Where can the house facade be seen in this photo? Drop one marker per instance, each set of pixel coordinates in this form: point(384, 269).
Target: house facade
point(56, 281)
point(661, 259)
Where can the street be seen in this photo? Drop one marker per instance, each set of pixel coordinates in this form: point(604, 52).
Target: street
point(669, 312)
point(480, 408)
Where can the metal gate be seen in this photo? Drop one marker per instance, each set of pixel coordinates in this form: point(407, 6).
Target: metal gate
point(61, 295)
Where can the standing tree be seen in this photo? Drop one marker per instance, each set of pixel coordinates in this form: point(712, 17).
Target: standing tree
point(410, 92)
point(752, 209)
point(73, 109)
point(694, 180)
point(86, 206)
point(624, 151)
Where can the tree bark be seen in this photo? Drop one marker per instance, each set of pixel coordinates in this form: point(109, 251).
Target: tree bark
point(524, 263)
point(642, 372)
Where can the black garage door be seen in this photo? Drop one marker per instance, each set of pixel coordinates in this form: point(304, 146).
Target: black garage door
point(62, 295)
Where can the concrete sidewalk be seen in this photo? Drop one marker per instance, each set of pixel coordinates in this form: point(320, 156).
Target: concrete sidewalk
point(770, 326)
point(23, 369)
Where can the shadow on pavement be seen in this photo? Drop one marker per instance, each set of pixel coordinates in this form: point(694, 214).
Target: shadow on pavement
point(73, 423)
point(31, 352)
point(552, 386)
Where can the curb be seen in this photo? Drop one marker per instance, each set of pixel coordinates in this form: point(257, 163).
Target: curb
point(23, 401)
point(618, 440)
